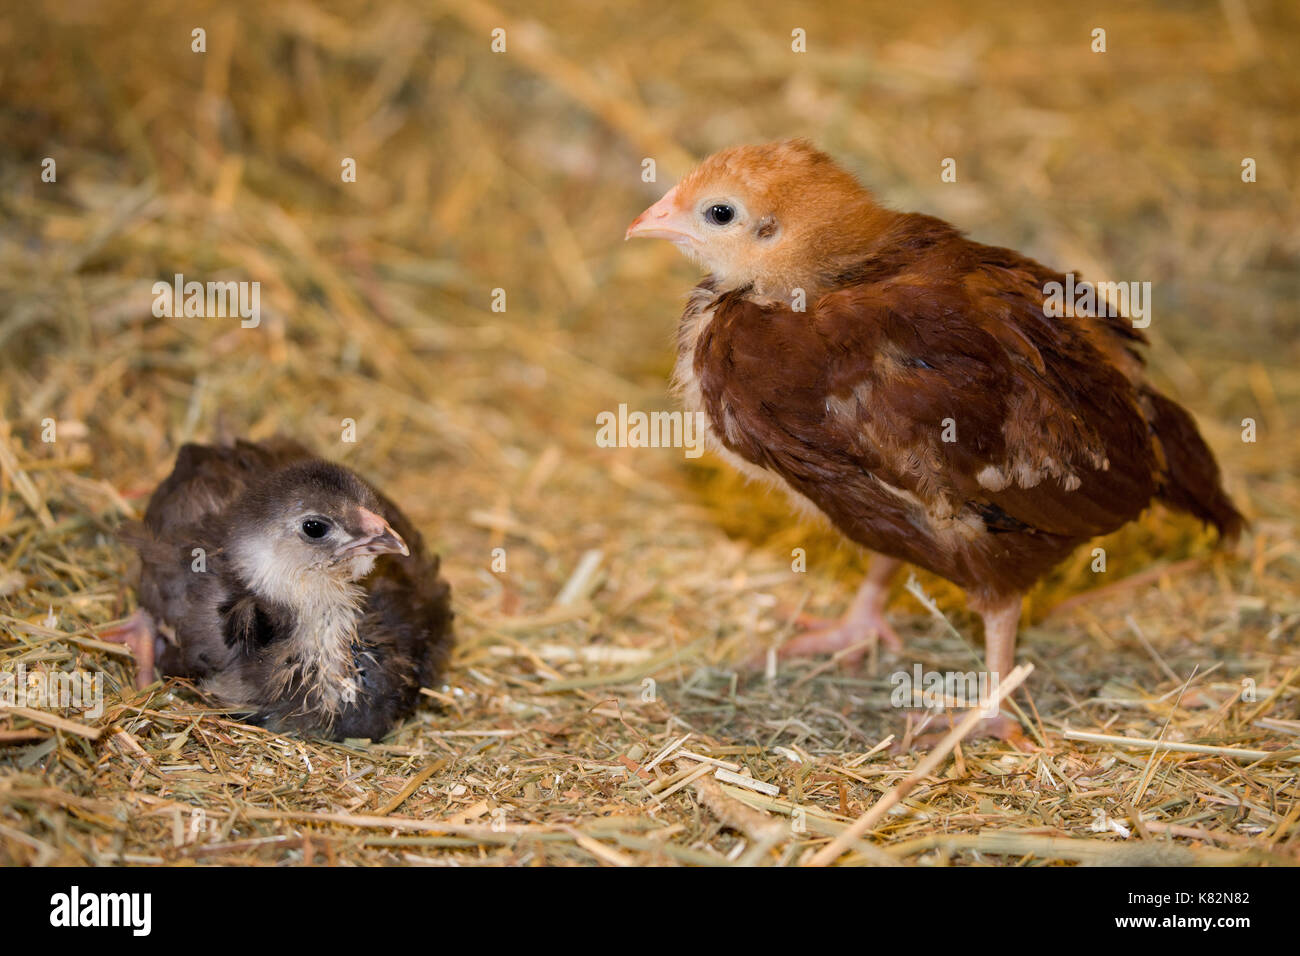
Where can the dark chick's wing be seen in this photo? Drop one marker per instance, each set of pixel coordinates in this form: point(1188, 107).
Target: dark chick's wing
point(406, 633)
point(183, 582)
point(406, 638)
point(409, 601)
point(207, 478)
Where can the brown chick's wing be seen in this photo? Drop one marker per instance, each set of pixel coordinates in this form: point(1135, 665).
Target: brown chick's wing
point(1048, 435)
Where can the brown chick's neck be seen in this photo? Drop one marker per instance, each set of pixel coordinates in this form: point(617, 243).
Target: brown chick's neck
point(870, 246)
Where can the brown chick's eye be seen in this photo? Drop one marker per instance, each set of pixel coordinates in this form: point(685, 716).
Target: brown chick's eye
point(720, 214)
point(315, 528)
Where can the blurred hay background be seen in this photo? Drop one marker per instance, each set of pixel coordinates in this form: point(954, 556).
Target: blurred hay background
point(520, 171)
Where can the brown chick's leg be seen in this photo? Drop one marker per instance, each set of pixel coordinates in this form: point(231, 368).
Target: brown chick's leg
point(1000, 623)
point(864, 621)
point(137, 633)
point(999, 727)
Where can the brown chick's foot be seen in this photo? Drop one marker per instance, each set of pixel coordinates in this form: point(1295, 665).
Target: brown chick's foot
point(863, 624)
point(1000, 727)
point(137, 633)
point(855, 633)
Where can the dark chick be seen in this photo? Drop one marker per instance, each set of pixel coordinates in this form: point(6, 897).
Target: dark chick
point(288, 588)
point(1058, 435)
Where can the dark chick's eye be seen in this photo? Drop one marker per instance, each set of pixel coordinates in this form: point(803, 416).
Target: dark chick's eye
point(315, 528)
point(720, 214)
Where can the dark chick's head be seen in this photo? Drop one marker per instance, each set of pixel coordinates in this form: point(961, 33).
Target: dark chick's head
point(772, 216)
point(308, 527)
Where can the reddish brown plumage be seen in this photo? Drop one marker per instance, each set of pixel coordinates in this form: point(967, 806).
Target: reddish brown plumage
point(908, 327)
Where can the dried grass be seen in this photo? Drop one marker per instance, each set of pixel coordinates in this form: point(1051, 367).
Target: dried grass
point(519, 171)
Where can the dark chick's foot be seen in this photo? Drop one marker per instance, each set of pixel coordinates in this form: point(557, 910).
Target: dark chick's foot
point(137, 632)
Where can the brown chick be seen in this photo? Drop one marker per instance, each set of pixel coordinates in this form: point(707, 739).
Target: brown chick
point(909, 384)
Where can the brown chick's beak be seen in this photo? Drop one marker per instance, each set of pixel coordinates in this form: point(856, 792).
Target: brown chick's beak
point(663, 220)
point(377, 537)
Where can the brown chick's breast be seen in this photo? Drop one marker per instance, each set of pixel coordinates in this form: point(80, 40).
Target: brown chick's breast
point(848, 403)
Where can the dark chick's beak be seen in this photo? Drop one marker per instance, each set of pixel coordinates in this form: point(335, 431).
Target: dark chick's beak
point(376, 537)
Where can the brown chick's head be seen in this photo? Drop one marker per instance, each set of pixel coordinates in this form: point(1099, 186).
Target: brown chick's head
point(774, 217)
point(306, 528)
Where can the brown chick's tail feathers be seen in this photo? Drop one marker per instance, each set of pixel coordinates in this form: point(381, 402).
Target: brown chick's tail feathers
point(1191, 480)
